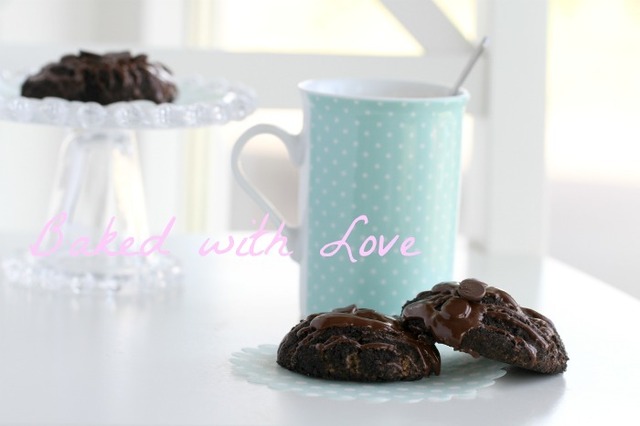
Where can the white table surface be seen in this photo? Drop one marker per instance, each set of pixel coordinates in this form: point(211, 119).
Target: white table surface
point(166, 360)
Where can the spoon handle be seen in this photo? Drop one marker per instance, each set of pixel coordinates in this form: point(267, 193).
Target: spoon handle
point(472, 61)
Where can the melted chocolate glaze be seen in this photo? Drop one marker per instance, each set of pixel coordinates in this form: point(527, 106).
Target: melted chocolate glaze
point(354, 316)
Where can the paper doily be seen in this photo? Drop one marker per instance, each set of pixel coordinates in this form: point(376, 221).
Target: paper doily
point(461, 377)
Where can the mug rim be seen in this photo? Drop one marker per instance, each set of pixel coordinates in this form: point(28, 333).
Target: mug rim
point(306, 86)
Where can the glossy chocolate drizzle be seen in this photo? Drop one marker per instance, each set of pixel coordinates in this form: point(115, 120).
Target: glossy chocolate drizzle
point(352, 316)
point(449, 310)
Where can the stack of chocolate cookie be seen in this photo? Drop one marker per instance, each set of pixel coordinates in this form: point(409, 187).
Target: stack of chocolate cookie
point(470, 316)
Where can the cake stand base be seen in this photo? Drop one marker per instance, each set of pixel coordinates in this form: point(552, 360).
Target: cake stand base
point(144, 275)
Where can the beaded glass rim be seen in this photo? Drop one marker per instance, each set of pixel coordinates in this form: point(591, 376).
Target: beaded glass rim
point(201, 102)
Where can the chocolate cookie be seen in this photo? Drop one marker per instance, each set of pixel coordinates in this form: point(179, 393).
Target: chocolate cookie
point(104, 79)
point(358, 345)
point(472, 317)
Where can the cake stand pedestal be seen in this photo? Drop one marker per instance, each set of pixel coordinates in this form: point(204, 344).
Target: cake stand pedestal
point(96, 237)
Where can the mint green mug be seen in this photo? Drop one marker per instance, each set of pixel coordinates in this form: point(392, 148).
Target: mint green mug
point(380, 170)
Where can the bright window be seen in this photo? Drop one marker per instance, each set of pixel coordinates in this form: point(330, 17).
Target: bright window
point(360, 27)
point(593, 126)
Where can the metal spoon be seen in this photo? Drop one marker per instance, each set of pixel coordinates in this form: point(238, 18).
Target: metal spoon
point(472, 61)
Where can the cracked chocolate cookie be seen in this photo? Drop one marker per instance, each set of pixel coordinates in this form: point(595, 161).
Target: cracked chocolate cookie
point(358, 345)
point(104, 79)
point(473, 317)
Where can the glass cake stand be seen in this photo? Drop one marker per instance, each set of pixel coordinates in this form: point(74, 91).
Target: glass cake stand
point(96, 238)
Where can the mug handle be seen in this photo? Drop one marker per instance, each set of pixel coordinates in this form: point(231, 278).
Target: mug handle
point(295, 150)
